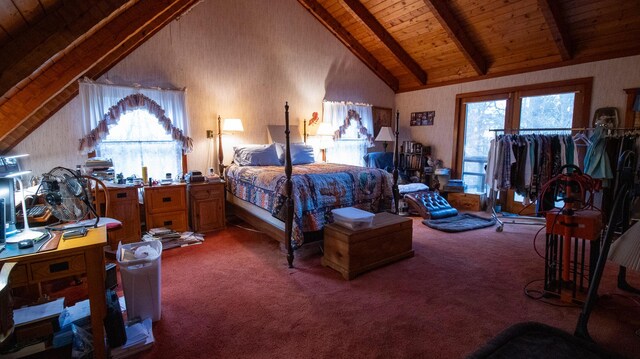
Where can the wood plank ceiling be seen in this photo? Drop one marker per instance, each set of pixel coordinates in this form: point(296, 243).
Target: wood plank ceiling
point(47, 45)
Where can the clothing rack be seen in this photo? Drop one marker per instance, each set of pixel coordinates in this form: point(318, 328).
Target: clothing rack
point(493, 194)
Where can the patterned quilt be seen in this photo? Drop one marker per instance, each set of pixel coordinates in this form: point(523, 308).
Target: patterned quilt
point(317, 189)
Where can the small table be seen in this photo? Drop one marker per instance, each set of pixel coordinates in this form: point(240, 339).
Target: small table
point(72, 257)
point(352, 252)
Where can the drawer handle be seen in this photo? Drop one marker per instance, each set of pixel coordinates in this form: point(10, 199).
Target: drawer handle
point(168, 223)
point(58, 267)
point(166, 199)
point(121, 195)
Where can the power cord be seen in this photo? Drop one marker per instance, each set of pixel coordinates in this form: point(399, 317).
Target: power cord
point(539, 296)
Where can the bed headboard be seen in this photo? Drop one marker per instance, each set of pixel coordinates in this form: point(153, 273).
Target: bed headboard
point(276, 134)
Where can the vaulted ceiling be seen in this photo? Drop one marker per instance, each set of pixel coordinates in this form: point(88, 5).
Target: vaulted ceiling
point(47, 45)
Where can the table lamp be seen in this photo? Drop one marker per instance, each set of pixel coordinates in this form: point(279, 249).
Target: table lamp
point(386, 135)
point(229, 125)
point(325, 132)
point(26, 233)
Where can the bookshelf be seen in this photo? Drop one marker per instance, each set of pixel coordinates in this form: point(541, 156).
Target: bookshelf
point(413, 160)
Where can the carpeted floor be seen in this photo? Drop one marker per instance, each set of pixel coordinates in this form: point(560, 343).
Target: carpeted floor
point(235, 297)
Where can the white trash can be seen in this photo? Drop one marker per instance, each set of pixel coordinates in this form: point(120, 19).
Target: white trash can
point(141, 278)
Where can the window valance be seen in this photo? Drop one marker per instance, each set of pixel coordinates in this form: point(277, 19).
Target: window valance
point(340, 114)
point(103, 104)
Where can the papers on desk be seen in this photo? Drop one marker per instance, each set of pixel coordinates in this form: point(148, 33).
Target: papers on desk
point(139, 338)
point(38, 312)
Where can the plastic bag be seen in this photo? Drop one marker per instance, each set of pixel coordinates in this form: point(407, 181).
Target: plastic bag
point(82, 343)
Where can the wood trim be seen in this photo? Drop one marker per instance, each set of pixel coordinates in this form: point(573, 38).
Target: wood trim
point(359, 11)
point(449, 22)
point(582, 105)
point(555, 20)
point(350, 42)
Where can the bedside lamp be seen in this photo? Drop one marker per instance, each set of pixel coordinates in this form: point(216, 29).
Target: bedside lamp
point(230, 125)
point(386, 135)
point(325, 132)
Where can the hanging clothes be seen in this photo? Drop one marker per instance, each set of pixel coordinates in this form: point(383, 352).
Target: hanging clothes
point(526, 162)
point(596, 161)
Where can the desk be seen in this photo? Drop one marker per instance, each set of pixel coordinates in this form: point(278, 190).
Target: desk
point(72, 257)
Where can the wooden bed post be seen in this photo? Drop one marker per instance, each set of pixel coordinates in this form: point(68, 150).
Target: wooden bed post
point(394, 188)
point(220, 156)
point(288, 187)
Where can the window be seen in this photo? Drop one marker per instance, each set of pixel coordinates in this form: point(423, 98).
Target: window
point(554, 105)
point(354, 123)
point(137, 140)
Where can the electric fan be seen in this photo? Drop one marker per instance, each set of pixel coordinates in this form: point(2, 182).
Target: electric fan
point(66, 195)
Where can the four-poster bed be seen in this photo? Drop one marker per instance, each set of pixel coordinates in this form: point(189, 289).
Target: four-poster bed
point(292, 207)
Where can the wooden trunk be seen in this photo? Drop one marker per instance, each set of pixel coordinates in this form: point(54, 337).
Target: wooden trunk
point(354, 252)
point(466, 201)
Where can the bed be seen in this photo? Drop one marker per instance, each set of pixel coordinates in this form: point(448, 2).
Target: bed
point(292, 203)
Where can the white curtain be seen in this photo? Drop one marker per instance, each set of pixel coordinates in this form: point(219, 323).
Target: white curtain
point(352, 137)
point(97, 99)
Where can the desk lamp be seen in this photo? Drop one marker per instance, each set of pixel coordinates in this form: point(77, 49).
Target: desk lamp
point(26, 233)
point(386, 135)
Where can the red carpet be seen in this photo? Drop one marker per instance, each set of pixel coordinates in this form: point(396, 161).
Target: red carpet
point(235, 297)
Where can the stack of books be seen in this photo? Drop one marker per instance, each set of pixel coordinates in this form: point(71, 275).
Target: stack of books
point(454, 185)
point(171, 238)
point(139, 338)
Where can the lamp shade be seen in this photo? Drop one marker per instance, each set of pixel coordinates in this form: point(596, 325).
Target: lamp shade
point(232, 125)
point(386, 135)
point(625, 251)
point(325, 129)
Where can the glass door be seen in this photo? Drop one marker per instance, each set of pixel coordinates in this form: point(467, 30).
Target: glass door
point(479, 118)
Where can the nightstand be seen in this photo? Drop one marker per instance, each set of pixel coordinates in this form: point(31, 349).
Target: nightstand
point(206, 206)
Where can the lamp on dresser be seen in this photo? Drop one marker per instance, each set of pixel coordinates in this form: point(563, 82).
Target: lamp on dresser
point(229, 125)
point(386, 135)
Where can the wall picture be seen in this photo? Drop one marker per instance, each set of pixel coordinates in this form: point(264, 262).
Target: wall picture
point(381, 117)
point(422, 118)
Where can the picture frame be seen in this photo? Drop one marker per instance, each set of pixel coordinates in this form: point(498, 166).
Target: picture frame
point(424, 118)
point(382, 117)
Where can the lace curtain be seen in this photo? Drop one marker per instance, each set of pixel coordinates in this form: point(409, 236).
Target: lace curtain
point(103, 104)
point(353, 125)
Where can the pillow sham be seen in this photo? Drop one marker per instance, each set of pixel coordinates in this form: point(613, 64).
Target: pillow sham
point(256, 155)
point(301, 154)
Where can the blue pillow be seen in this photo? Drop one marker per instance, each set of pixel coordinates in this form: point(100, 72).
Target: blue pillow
point(301, 154)
point(256, 155)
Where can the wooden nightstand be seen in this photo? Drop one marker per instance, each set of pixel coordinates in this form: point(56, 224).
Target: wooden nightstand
point(166, 206)
point(206, 206)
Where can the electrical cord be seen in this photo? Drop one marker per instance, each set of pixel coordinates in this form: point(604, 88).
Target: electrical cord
point(539, 296)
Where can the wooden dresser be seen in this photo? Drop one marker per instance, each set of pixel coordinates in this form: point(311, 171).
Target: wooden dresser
point(206, 206)
point(166, 206)
point(125, 207)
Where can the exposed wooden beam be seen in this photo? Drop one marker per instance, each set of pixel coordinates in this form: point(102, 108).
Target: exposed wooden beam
point(448, 21)
point(350, 42)
point(39, 43)
point(30, 95)
point(553, 16)
point(360, 11)
point(67, 94)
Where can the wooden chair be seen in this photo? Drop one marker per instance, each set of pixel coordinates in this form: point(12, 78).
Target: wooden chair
point(99, 194)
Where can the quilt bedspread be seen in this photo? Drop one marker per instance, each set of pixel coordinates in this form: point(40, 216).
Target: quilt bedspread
point(317, 189)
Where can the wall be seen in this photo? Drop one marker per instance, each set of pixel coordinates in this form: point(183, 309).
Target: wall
point(609, 79)
point(237, 58)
